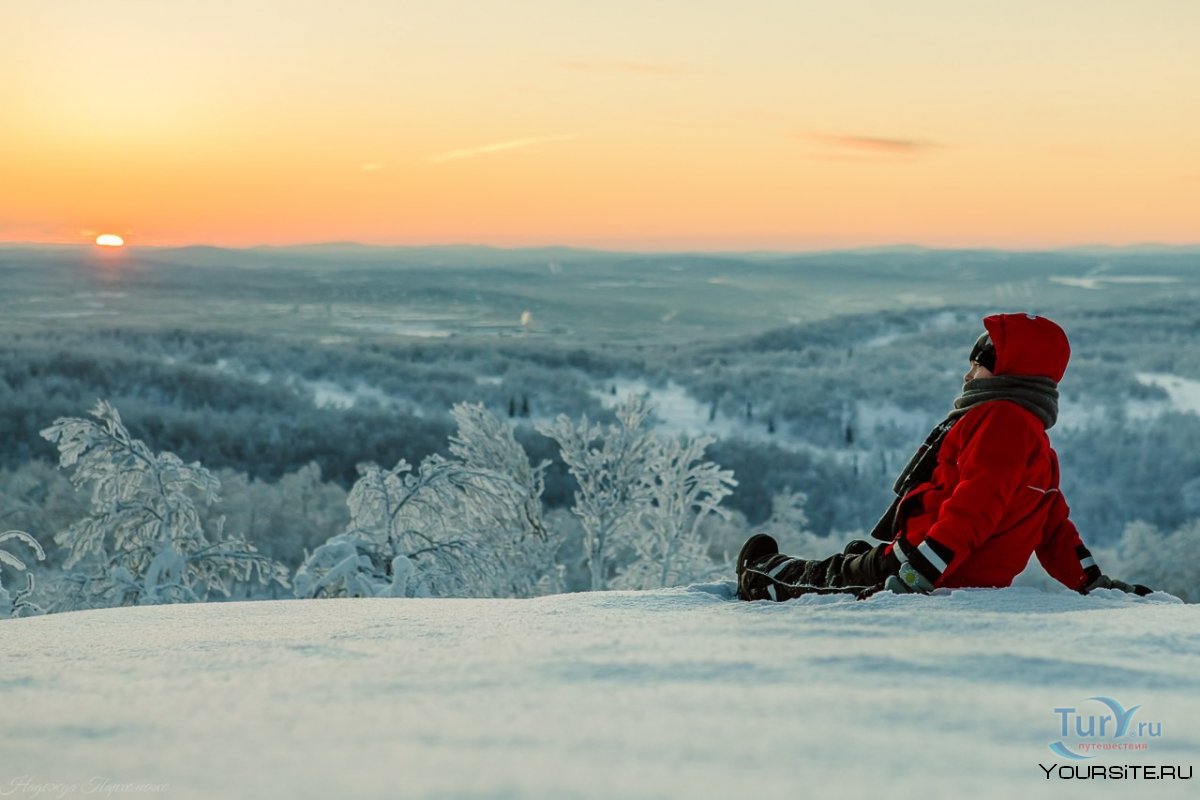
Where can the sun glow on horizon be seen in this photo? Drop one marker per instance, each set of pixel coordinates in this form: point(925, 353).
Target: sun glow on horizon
point(813, 126)
point(109, 240)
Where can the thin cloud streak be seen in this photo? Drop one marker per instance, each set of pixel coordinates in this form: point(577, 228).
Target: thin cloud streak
point(874, 145)
point(496, 147)
point(632, 67)
point(858, 158)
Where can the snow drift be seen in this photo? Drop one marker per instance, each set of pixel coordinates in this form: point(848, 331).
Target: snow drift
point(670, 693)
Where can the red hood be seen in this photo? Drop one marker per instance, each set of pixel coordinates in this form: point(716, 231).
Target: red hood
point(1028, 345)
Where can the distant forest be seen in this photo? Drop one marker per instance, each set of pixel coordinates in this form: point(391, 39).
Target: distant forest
point(801, 398)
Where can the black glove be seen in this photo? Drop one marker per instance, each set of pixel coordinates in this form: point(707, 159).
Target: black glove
point(1105, 582)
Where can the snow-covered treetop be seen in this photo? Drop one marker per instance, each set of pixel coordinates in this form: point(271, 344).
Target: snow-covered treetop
point(12, 605)
point(144, 541)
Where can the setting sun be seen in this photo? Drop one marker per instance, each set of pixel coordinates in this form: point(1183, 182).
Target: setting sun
point(109, 240)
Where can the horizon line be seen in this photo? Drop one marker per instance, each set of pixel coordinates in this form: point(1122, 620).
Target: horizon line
point(896, 246)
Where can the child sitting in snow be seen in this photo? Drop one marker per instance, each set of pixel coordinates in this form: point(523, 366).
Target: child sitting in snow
point(976, 499)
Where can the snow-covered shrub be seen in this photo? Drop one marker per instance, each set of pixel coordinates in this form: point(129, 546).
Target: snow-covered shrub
point(1165, 562)
point(788, 522)
point(469, 525)
point(520, 538)
point(18, 604)
point(789, 525)
point(612, 466)
point(572, 564)
point(143, 541)
point(36, 497)
point(724, 535)
point(684, 491)
point(343, 566)
point(283, 518)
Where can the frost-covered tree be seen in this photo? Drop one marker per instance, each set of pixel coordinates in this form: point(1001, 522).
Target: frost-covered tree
point(18, 603)
point(789, 524)
point(612, 467)
point(787, 512)
point(39, 499)
point(684, 491)
point(143, 541)
point(469, 525)
point(1166, 562)
point(520, 538)
point(283, 518)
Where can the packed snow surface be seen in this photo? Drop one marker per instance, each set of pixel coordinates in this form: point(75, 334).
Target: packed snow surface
point(679, 693)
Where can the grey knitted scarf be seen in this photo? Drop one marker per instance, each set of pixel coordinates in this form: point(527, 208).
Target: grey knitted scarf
point(1039, 395)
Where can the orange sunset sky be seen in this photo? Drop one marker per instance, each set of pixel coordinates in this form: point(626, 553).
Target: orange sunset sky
point(616, 124)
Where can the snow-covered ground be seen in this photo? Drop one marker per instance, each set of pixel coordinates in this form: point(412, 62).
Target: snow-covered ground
point(330, 394)
point(673, 693)
point(678, 411)
point(1183, 394)
point(325, 394)
point(936, 321)
point(1094, 282)
point(872, 416)
point(675, 409)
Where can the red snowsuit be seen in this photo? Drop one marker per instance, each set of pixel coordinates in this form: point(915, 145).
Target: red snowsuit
point(993, 498)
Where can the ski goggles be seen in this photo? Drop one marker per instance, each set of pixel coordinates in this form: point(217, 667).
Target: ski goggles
point(984, 353)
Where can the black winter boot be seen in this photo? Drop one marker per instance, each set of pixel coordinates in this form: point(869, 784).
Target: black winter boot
point(764, 574)
point(856, 547)
point(756, 548)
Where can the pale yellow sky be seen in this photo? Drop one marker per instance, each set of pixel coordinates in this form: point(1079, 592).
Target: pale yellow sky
point(669, 125)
